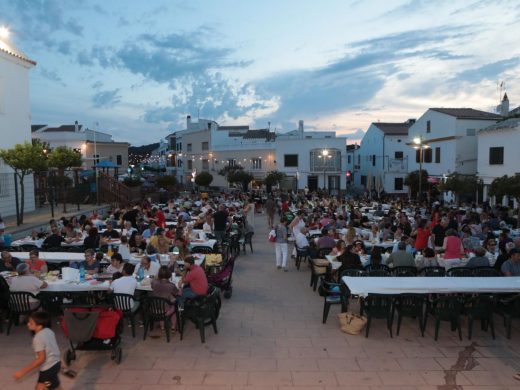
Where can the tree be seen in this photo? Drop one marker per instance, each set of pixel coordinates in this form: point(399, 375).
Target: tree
point(507, 186)
point(203, 179)
point(166, 181)
point(412, 181)
point(273, 178)
point(24, 159)
point(61, 158)
point(461, 185)
point(241, 177)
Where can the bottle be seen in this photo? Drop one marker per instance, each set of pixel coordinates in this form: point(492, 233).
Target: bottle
point(140, 273)
point(109, 252)
point(81, 273)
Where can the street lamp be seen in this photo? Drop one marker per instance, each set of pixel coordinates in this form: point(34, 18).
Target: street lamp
point(325, 156)
point(420, 145)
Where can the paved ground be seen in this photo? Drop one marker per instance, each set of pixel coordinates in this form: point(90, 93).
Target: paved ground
point(271, 337)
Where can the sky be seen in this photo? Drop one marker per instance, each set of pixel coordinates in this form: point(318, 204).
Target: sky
point(137, 69)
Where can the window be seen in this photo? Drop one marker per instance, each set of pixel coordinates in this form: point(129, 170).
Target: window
point(119, 159)
point(428, 126)
point(205, 146)
point(349, 159)
point(398, 155)
point(205, 165)
point(437, 155)
point(256, 163)
point(470, 132)
point(231, 162)
point(426, 158)
point(398, 184)
point(4, 183)
point(188, 147)
point(190, 165)
point(363, 180)
point(496, 155)
point(291, 160)
point(179, 146)
point(96, 158)
point(373, 160)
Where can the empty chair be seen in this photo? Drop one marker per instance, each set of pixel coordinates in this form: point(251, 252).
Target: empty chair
point(353, 272)
point(20, 303)
point(432, 271)
point(318, 268)
point(377, 267)
point(410, 305)
point(460, 271)
point(378, 272)
point(301, 254)
point(404, 271)
point(480, 307)
point(509, 309)
point(378, 306)
point(202, 249)
point(486, 271)
point(446, 308)
point(248, 239)
point(331, 292)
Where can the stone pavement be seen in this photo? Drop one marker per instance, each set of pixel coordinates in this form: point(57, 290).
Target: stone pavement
point(271, 337)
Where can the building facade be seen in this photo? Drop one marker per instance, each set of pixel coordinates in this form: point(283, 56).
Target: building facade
point(451, 137)
point(382, 158)
point(15, 120)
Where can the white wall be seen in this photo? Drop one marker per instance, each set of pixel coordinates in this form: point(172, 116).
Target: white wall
point(15, 126)
point(510, 140)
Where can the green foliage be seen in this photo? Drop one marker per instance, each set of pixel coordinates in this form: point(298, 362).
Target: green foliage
point(229, 169)
point(274, 177)
point(506, 185)
point(412, 181)
point(64, 157)
point(460, 184)
point(59, 181)
point(166, 181)
point(25, 158)
point(203, 179)
point(240, 177)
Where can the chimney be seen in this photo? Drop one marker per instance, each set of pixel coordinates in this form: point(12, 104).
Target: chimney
point(300, 126)
point(76, 127)
point(411, 121)
point(504, 107)
point(188, 122)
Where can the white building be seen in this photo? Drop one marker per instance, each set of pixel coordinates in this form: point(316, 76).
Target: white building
point(451, 134)
point(206, 146)
point(498, 152)
point(15, 120)
point(92, 144)
point(383, 157)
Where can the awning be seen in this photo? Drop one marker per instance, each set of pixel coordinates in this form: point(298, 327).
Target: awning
point(86, 173)
point(106, 164)
point(434, 180)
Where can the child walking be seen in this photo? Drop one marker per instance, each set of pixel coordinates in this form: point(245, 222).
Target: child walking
point(47, 353)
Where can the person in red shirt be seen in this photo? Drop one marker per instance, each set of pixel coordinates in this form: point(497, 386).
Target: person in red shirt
point(422, 235)
point(160, 218)
point(36, 265)
point(194, 283)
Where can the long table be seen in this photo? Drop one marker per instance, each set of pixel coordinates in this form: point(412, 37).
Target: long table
point(428, 285)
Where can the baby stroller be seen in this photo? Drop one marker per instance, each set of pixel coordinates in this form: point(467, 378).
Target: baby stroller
point(224, 278)
point(93, 328)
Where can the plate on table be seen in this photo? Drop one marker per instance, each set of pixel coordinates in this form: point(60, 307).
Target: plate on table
point(331, 258)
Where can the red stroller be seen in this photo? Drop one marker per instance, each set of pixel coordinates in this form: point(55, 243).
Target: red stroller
point(93, 328)
point(223, 279)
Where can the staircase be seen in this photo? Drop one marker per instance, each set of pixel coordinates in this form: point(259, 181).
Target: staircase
point(116, 193)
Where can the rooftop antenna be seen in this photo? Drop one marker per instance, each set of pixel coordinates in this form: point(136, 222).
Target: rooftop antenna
point(198, 113)
point(269, 125)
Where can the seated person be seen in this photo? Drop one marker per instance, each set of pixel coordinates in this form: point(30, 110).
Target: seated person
point(349, 259)
point(338, 249)
point(90, 264)
point(55, 239)
point(479, 260)
point(401, 258)
point(150, 231)
point(128, 229)
point(150, 268)
point(92, 240)
point(27, 282)
point(8, 263)
point(194, 282)
point(116, 264)
point(124, 248)
point(511, 267)
point(36, 265)
point(162, 287)
point(326, 240)
point(110, 233)
point(126, 284)
point(137, 243)
point(429, 258)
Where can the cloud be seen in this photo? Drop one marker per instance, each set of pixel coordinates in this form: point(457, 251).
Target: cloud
point(489, 71)
point(52, 76)
point(355, 135)
point(106, 99)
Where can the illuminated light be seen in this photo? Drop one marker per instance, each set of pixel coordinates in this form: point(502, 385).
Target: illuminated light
point(4, 32)
point(325, 152)
point(417, 141)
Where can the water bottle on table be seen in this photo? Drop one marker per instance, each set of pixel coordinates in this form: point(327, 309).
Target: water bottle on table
point(81, 273)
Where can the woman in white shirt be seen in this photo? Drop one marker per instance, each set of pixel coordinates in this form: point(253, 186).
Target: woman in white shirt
point(116, 264)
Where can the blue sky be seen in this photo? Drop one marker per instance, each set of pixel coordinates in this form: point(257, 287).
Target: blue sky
point(138, 68)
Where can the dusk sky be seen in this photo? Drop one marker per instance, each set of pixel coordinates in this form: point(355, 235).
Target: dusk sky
point(138, 68)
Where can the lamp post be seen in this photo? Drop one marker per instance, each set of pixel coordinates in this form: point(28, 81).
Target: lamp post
point(420, 145)
point(325, 156)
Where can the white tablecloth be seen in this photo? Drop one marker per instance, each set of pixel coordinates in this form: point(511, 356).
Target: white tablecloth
point(62, 286)
point(52, 257)
point(384, 244)
point(209, 243)
point(426, 285)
